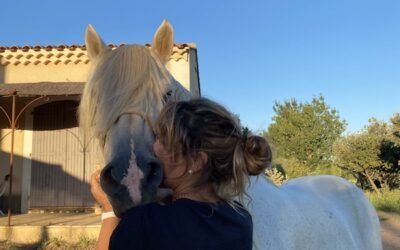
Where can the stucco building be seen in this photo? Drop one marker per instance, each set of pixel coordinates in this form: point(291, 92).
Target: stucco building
point(52, 157)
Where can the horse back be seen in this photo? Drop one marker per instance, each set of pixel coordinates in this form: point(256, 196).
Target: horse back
point(320, 212)
point(345, 203)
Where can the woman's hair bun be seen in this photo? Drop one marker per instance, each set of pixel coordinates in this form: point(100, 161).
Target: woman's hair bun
point(257, 154)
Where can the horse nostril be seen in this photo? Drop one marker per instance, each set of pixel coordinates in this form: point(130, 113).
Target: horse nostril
point(155, 174)
point(107, 180)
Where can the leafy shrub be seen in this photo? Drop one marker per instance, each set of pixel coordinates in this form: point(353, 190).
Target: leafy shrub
point(276, 176)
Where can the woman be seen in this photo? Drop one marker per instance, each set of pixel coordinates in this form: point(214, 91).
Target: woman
point(206, 159)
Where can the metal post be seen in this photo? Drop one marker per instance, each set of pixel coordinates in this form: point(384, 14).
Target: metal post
point(11, 157)
point(84, 163)
point(13, 123)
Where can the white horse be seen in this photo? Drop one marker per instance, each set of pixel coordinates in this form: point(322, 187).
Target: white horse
point(127, 89)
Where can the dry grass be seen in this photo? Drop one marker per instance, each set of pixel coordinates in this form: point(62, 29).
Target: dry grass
point(53, 244)
point(388, 201)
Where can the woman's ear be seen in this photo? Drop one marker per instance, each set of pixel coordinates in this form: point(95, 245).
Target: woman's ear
point(200, 162)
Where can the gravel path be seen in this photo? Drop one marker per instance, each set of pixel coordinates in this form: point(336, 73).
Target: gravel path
point(390, 228)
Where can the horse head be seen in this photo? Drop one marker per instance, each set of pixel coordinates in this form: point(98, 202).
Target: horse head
point(125, 92)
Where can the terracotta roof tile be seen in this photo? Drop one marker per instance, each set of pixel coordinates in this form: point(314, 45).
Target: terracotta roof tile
point(83, 47)
point(16, 55)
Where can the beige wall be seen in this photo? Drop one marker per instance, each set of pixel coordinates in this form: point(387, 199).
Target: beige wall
point(185, 71)
point(5, 148)
point(73, 66)
point(180, 71)
point(2, 73)
point(47, 73)
point(54, 65)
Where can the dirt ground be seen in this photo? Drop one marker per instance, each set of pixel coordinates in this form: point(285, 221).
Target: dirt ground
point(390, 228)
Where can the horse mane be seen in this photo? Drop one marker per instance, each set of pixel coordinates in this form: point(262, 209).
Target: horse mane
point(129, 78)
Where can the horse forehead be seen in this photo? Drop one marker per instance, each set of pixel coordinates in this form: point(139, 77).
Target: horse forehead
point(139, 129)
point(127, 133)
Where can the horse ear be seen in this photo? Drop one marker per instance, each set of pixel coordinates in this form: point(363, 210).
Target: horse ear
point(163, 41)
point(93, 42)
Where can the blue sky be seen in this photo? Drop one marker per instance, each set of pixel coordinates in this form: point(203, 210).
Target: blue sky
point(251, 53)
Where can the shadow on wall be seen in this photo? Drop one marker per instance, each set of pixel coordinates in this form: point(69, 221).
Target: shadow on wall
point(57, 176)
point(2, 74)
point(51, 187)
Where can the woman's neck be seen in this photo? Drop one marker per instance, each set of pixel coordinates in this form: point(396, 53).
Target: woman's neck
point(204, 193)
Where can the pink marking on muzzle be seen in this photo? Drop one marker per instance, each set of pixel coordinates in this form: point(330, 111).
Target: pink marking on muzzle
point(132, 179)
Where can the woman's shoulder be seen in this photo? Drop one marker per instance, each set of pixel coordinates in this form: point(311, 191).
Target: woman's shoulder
point(151, 213)
point(134, 228)
point(186, 223)
point(151, 207)
point(155, 213)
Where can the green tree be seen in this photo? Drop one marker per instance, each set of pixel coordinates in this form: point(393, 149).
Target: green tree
point(370, 156)
point(387, 176)
point(359, 155)
point(302, 134)
point(396, 128)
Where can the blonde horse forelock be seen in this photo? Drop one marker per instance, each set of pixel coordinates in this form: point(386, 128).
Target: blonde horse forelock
point(126, 80)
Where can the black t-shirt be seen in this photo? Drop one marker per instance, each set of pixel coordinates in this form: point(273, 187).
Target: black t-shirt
point(184, 224)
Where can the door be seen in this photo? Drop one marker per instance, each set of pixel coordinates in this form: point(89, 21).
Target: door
point(61, 162)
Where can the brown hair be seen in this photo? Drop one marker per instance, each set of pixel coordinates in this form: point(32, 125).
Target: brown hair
point(187, 128)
